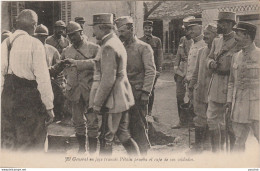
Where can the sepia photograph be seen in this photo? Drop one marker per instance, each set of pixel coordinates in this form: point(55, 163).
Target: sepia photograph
point(130, 84)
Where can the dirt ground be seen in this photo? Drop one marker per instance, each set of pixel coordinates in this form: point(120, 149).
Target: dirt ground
point(165, 110)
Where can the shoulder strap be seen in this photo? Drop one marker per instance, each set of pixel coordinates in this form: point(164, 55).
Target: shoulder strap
point(80, 52)
point(9, 47)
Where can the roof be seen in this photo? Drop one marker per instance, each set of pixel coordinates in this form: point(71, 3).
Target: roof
point(174, 9)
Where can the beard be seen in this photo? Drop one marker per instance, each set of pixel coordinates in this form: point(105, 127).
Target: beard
point(122, 38)
point(220, 30)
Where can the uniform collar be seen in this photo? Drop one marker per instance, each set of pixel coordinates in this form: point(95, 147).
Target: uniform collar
point(126, 43)
point(106, 38)
point(249, 48)
point(148, 37)
point(199, 38)
point(229, 35)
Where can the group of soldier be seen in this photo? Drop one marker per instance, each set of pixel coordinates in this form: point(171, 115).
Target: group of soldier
point(116, 76)
point(219, 71)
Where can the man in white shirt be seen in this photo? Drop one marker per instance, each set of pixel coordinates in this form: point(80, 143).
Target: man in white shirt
point(27, 95)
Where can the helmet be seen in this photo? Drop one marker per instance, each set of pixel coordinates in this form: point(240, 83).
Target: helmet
point(59, 23)
point(41, 30)
point(73, 27)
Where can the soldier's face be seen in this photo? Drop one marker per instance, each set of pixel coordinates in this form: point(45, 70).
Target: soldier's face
point(75, 37)
point(195, 31)
point(97, 32)
point(223, 26)
point(42, 38)
point(241, 38)
point(209, 36)
point(60, 30)
point(124, 33)
point(81, 23)
point(148, 30)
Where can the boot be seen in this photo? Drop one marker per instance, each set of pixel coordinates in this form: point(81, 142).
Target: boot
point(106, 149)
point(215, 140)
point(92, 145)
point(82, 143)
point(131, 147)
point(199, 139)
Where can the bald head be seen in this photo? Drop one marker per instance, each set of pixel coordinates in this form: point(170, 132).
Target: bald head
point(27, 21)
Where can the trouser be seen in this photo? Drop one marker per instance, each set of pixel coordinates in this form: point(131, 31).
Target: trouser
point(92, 125)
point(216, 123)
point(180, 94)
point(241, 131)
point(151, 98)
point(200, 110)
point(22, 115)
point(58, 101)
point(139, 127)
point(78, 109)
point(117, 124)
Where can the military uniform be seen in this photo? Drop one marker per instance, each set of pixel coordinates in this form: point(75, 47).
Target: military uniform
point(243, 92)
point(181, 62)
point(79, 80)
point(218, 84)
point(60, 44)
point(156, 45)
point(200, 81)
point(141, 74)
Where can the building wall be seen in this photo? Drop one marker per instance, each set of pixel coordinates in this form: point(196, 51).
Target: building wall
point(119, 8)
point(5, 17)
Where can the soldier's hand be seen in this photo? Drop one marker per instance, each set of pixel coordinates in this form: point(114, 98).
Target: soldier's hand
point(50, 117)
point(96, 110)
point(144, 98)
point(184, 81)
point(213, 65)
point(175, 69)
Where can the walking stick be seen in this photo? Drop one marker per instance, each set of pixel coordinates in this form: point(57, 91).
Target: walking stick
point(226, 117)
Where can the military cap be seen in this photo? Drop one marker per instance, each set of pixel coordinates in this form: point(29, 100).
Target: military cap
point(73, 27)
point(194, 22)
point(79, 19)
point(230, 16)
point(59, 23)
point(103, 18)
point(186, 21)
point(148, 23)
point(211, 27)
point(245, 26)
point(41, 30)
point(123, 21)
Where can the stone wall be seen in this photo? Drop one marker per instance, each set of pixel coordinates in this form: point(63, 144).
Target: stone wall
point(120, 8)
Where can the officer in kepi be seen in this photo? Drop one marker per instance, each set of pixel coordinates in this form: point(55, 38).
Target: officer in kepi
point(114, 94)
point(156, 44)
point(243, 86)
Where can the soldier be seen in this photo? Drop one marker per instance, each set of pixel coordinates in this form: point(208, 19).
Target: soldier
point(55, 68)
point(79, 80)
point(27, 95)
point(53, 56)
point(114, 94)
point(219, 61)
point(156, 45)
point(199, 83)
point(141, 73)
point(81, 21)
point(57, 40)
point(243, 85)
point(180, 69)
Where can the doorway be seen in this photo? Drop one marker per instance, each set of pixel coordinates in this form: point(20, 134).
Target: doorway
point(48, 12)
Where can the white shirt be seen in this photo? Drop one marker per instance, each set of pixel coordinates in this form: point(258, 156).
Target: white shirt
point(53, 56)
point(28, 60)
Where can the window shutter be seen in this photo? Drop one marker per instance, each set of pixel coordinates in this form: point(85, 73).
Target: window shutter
point(65, 11)
point(15, 9)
